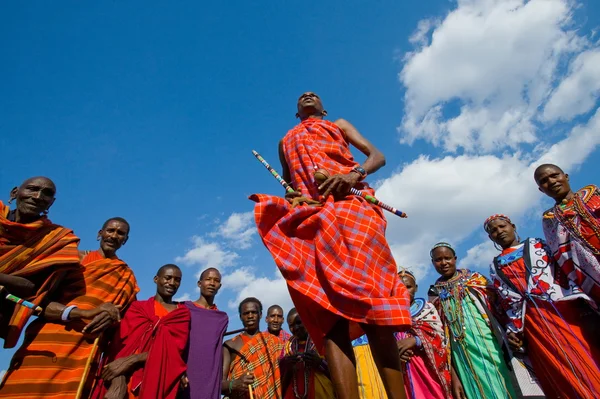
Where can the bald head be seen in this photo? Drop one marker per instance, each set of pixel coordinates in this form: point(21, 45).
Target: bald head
point(540, 169)
point(553, 182)
point(34, 196)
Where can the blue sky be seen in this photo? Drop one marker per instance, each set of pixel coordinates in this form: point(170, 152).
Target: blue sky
point(150, 111)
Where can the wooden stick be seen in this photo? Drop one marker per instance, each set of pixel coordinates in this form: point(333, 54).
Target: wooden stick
point(250, 390)
point(234, 332)
point(86, 370)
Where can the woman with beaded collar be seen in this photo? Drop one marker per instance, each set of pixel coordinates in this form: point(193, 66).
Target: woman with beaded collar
point(475, 336)
point(547, 316)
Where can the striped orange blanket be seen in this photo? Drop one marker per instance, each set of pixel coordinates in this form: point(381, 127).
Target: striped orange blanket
point(41, 252)
point(57, 361)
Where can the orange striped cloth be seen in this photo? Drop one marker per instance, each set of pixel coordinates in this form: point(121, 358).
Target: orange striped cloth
point(260, 357)
point(57, 360)
point(41, 252)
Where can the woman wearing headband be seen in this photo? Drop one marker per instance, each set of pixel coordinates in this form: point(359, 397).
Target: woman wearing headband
point(474, 334)
point(548, 316)
point(424, 349)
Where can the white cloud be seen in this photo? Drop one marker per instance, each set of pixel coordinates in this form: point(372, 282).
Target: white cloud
point(238, 229)
point(481, 80)
point(447, 199)
point(184, 297)
point(269, 291)
point(578, 92)
point(490, 65)
point(479, 257)
point(207, 254)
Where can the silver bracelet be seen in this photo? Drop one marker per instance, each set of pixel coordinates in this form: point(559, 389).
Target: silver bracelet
point(66, 312)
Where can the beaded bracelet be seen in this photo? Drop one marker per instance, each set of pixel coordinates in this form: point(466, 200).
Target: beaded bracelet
point(230, 386)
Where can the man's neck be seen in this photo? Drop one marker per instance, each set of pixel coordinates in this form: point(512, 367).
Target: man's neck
point(316, 116)
point(23, 219)
point(206, 302)
point(251, 332)
point(275, 333)
point(167, 300)
point(106, 255)
point(567, 197)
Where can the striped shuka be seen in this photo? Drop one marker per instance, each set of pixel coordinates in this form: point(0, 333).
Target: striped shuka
point(57, 361)
point(334, 258)
point(260, 357)
point(41, 252)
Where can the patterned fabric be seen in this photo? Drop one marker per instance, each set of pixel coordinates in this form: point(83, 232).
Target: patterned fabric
point(335, 258)
point(427, 325)
point(259, 356)
point(369, 381)
point(284, 336)
point(560, 330)
point(306, 381)
point(56, 360)
point(539, 277)
point(41, 252)
point(572, 232)
point(474, 335)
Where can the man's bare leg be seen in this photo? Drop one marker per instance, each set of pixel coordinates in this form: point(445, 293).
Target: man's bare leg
point(341, 361)
point(385, 353)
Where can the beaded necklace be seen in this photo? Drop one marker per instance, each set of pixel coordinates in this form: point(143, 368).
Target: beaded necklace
point(295, 346)
point(451, 295)
point(585, 214)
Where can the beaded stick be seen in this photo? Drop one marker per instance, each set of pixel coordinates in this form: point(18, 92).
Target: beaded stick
point(354, 191)
point(22, 302)
point(287, 187)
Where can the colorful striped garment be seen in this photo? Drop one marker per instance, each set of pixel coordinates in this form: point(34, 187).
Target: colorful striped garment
point(427, 374)
point(335, 258)
point(475, 336)
point(56, 360)
point(560, 329)
point(260, 357)
point(41, 252)
point(572, 231)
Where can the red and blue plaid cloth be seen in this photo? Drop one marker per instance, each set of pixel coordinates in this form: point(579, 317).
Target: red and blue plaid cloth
point(335, 258)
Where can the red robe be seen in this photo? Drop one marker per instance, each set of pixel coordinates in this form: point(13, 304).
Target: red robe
point(164, 339)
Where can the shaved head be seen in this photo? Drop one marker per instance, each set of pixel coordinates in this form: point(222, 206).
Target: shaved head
point(543, 167)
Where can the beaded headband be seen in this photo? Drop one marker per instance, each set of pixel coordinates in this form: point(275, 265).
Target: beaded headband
point(494, 217)
point(440, 245)
point(404, 272)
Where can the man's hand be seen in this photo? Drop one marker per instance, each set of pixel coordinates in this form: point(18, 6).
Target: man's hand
point(184, 381)
point(457, 389)
point(102, 317)
point(117, 368)
point(296, 198)
point(312, 359)
point(117, 389)
point(515, 341)
point(339, 185)
point(406, 348)
point(241, 384)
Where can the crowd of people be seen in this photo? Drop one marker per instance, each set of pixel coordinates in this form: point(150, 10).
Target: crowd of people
point(529, 330)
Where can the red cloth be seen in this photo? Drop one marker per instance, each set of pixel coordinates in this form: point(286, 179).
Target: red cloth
point(164, 339)
point(561, 335)
point(335, 258)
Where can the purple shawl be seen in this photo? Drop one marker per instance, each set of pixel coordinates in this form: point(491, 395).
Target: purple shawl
point(205, 353)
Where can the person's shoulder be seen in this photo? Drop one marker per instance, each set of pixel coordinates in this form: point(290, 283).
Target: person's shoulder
point(587, 192)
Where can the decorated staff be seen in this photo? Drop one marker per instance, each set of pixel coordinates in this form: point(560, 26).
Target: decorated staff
point(20, 301)
point(320, 176)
